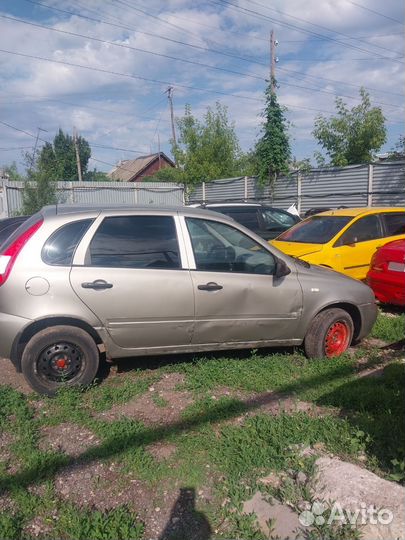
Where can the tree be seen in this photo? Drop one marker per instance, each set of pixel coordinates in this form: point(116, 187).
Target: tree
point(353, 135)
point(398, 152)
point(59, 158)
point(205, 150)
point(40, 186)
point(273, 151)
point(11, 172)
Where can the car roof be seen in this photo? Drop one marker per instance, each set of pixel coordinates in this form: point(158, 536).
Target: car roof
point(354, 212)
point(67, 209)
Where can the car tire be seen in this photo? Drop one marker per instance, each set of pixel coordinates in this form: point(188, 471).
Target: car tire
point(60, 356)
point(330, 334)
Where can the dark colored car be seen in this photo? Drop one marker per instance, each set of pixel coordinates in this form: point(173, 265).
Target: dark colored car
point(266, 221)
point(387, 273)
point(9, 225)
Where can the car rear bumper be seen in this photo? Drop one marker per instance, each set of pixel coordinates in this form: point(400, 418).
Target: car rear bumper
point(10, 327)
point(387, 291)
point(368, 314)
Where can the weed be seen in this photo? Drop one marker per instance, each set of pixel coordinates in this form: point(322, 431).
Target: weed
point(389, 329)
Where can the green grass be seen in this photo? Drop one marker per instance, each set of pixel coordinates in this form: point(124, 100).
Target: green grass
point(389, 329)
point(363, 416)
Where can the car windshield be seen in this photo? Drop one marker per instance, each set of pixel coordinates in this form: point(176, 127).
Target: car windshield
point(276, 219)
point(315, 230)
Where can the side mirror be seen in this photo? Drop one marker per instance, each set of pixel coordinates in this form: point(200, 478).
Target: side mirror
point(281, 269)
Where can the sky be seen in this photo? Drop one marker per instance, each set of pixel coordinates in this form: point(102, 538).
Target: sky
point(104, 67)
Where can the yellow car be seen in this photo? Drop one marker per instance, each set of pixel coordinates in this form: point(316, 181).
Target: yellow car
point(343, 239)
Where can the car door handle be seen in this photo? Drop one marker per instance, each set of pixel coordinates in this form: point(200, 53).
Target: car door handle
point(211, 286)
point(97, 285)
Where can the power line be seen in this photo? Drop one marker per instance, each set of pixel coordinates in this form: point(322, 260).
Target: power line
point(98, 40)
point(317, 25)
point(258, 15)
point(124, 27)
point(375, 12)
point(123, 46)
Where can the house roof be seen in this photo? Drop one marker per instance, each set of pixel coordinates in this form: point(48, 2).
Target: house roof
point(129, 169)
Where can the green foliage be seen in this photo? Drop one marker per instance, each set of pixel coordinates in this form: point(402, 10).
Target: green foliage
point(273, 150)
point(398, 152)
point(96, 176)
point(353, 135)
point(206, 150)
point(59, 159)
point(389, 329)
point(11, 172)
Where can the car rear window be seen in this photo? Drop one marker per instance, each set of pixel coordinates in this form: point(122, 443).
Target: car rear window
point(316, 229)
point(60, 247)
point(8, 226)
point(136, 242)
point(394, 223)
point(18, 231)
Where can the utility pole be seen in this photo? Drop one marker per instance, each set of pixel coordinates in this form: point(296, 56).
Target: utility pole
point(35, 146)
point(170, 98)
point(273, 61)
point(79, 167)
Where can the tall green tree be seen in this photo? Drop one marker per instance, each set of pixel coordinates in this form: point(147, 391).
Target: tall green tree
point(207, 149)
point(352, 136)
point(59, 158)
point(273, 151)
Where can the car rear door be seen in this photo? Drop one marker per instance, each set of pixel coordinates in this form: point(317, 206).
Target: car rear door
point(131, 275)
point(237, 296)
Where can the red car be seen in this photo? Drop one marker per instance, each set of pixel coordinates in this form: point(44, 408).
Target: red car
point(387, 273)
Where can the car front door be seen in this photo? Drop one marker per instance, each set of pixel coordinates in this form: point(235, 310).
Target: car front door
point(237, 296)
point(131, 277)
point(354, 249)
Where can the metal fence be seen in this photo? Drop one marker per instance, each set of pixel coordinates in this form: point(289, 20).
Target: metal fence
point(377, 184)
point(97, 193)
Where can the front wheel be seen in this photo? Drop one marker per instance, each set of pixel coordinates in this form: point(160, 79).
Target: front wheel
point(330, 334)
point(59, 356)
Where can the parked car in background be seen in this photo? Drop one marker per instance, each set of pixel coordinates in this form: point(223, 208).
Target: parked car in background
point(345, 239)
point(266, 221)
point(387, 273)
point(131, 282)
point(9, 225)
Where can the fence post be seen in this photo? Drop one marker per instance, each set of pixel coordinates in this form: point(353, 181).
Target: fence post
point(203, 191)
point(299, 191)
point(370, 185)
point(136, 192)
point(246, 188)
point(3, 200)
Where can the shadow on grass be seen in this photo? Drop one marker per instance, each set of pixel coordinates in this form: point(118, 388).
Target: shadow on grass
point(349, 395)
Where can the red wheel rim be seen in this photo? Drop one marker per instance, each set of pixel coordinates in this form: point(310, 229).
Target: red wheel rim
point(337, 339)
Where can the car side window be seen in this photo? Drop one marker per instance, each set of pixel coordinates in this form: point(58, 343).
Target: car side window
point(394, 223)
point(247, 217)
point(135, 242)
point(219, 247)
point(60, 247)
point(365, 229)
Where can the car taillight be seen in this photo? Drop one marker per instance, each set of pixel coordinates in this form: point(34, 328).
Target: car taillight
point(377, 264)
point(9, 255)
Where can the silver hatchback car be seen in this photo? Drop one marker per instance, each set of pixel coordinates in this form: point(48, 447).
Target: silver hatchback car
point(76, 282)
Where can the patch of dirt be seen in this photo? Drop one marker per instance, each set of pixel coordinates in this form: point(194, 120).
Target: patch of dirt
point(6, 440)
point(99, 485)
point(163, 509)
point(145, 409)
point(161, 450)
point(70, 439)
point(39, 527)
point(11, 377)
point(7, 504)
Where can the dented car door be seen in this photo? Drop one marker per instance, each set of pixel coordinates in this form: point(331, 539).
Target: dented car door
point(237, 296)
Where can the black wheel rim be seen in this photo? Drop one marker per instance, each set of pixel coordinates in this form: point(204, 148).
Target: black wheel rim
point(60, 362)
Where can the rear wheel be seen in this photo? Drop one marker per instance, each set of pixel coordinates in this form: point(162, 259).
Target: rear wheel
point(330, 334)
point(60, 356)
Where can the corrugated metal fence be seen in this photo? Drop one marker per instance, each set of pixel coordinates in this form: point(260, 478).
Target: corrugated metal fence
point(98, 193)
point(377, 184)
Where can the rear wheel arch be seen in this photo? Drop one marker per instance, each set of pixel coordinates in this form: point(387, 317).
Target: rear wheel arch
point(23, 338)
